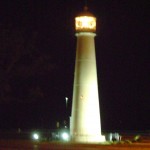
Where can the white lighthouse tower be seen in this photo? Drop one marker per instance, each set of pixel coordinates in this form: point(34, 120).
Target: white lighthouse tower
point(85, 124)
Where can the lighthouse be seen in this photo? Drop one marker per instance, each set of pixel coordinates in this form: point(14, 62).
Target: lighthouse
point(85, 123)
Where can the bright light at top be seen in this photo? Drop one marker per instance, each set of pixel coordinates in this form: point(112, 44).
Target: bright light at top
point(85, 23)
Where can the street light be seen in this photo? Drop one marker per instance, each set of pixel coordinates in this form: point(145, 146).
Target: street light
point(66, 98)
point(65, 136)
point(35, 136)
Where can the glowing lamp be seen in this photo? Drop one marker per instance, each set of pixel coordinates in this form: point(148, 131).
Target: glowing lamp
point(65, 136)
point(35, 136)
point(85, 22)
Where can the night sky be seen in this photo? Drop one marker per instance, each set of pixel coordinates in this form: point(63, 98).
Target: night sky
point(37, 57)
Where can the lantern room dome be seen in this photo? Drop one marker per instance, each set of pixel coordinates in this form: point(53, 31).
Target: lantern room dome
point(85, 21)
point(85, 12)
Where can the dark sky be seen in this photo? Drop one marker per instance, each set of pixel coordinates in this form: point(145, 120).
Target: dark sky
point(37, 55)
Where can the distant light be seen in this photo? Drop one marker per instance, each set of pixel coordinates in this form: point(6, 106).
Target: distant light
point(65, 136)
point(35, 136)
point(66, 101)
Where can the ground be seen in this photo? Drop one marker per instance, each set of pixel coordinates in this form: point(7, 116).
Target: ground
point(32, 145)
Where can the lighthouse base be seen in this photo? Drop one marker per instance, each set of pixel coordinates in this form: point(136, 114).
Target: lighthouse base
point(88, 138)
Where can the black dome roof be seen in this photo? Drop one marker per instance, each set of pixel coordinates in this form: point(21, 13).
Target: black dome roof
point(85, 12)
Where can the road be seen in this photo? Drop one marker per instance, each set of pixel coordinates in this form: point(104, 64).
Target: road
point(30, 145)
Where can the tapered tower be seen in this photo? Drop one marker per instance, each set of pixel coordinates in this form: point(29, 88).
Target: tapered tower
point(85, 125)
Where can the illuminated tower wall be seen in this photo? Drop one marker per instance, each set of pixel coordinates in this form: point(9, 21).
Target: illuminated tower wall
point(85, 123)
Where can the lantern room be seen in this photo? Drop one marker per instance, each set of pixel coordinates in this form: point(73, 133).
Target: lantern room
point(85, 22)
